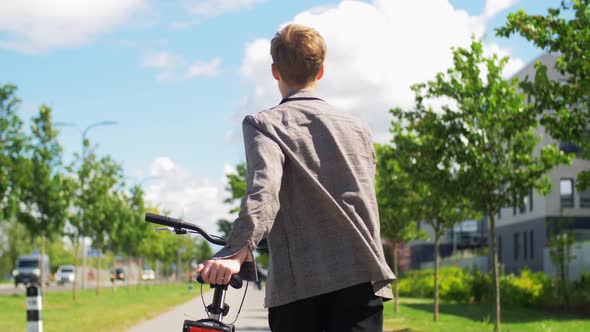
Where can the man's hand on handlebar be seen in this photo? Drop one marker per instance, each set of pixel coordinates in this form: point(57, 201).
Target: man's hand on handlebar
point(220, 271)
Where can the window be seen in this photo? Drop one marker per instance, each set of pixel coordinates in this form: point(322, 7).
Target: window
point(569, 147)
point(514, 210)
point(585, 198)
point(524, 246)
point(500, 249)
point(516, 246)
point(566, 192)
point(532, 243)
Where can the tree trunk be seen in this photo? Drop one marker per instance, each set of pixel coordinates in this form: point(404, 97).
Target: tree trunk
point(495, 276)
point(43, 272)
point(140, 272)
point(76, 274)
point(157, 271)
point(395, 271)
point(128, 276)
point(436, 262)
point(113, 265)
point(564, 255)
point(98, 251)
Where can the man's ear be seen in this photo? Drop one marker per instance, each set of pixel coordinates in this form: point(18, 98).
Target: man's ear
point(320, 73)
point(275, 72)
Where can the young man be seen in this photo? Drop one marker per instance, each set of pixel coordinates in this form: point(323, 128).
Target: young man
point(310, 193)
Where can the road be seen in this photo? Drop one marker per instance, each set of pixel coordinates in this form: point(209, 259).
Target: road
point(253, 317)
point(9, 289)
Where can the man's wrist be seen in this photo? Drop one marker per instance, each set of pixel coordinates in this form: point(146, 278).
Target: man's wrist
point(242, 256)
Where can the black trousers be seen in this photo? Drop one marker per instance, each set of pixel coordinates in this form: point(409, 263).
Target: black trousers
point(352, 309)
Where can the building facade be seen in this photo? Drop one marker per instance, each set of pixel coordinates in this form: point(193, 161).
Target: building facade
point(523, 232)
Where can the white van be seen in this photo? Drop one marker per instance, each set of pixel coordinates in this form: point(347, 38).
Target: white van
point(27, 269)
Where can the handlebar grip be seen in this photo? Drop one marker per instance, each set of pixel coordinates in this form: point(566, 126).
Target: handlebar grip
point(235, 281)
point(162, 220)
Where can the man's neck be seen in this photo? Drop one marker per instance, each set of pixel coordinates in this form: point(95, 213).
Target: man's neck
point(287, 90)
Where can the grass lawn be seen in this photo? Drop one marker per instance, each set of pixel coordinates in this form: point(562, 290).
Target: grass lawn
point(416, 315)
point(109, 311)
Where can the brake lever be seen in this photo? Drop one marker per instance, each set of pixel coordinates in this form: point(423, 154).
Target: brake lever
point(172, 229)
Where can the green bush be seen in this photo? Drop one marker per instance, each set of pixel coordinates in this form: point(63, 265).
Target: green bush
point(581, 293)
point(471, 285)
point(526, 289)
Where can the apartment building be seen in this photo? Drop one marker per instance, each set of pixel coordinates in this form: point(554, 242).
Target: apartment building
point(523, 232)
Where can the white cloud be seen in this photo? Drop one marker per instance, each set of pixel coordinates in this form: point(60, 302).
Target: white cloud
point(37, 25)
point(493, 7)
point(211, 8)
point(163, 60)
point(513, 65)
point(187, 196)
point(172, 66)
point(376, 51)
point(207, 69)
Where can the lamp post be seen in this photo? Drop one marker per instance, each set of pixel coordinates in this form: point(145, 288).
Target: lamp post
point(83, 134)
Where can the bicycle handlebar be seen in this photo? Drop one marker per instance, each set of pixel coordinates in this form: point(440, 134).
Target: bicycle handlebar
point(179, 224)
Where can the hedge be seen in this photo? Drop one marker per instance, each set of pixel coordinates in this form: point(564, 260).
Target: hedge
point(472, 286)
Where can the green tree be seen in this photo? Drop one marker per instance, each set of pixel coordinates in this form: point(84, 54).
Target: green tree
point(12, 144)
point(154, 243)
point(46, 196)
point(486, 129)
point(78, 228)
point(236, 186)
point(224, 227)
point(14, 241)
point(203, 251)
point(436, 194)
point(561, 240)
point(396, 199)
point(564, 101)
point(134, 231)
point(98, 202)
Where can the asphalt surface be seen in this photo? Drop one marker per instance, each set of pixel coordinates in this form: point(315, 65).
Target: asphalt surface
point(9, 289)
point(253, 317)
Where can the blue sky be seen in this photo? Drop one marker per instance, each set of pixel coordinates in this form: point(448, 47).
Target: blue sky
point(178, 76)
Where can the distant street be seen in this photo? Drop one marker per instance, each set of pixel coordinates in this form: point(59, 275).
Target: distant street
point(9, 289)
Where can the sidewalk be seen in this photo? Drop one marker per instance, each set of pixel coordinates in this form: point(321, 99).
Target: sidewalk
point(253, 317)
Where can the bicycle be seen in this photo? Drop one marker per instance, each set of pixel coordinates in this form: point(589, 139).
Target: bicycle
point(218, 308)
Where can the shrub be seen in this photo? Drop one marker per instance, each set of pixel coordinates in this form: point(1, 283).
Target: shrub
point(472, 285)
point(454, 284)
point(527, 289)
point(581, 293)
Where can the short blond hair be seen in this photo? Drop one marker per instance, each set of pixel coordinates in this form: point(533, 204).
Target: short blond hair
point(298, 52)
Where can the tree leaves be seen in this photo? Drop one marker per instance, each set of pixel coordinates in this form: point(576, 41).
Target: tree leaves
point(563, 100)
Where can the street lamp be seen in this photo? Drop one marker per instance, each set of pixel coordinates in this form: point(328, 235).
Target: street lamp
point(83, 134)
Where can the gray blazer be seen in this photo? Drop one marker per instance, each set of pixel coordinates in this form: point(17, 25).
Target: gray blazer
point(311, 193)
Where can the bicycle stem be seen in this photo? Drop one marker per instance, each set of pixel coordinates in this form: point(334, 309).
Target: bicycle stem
point(217, 309)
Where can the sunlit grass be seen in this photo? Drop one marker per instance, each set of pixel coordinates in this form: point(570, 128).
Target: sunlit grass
point(110, 311)
point(416, 315)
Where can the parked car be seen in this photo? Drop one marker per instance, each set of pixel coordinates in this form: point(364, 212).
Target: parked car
point(27, 269)
point(65, 274)
point(118, 274)
point(148, 275)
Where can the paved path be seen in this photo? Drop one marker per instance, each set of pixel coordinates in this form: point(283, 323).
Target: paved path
point(252, 318)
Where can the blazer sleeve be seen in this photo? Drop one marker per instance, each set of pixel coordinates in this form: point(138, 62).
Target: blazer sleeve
point(260, 205)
